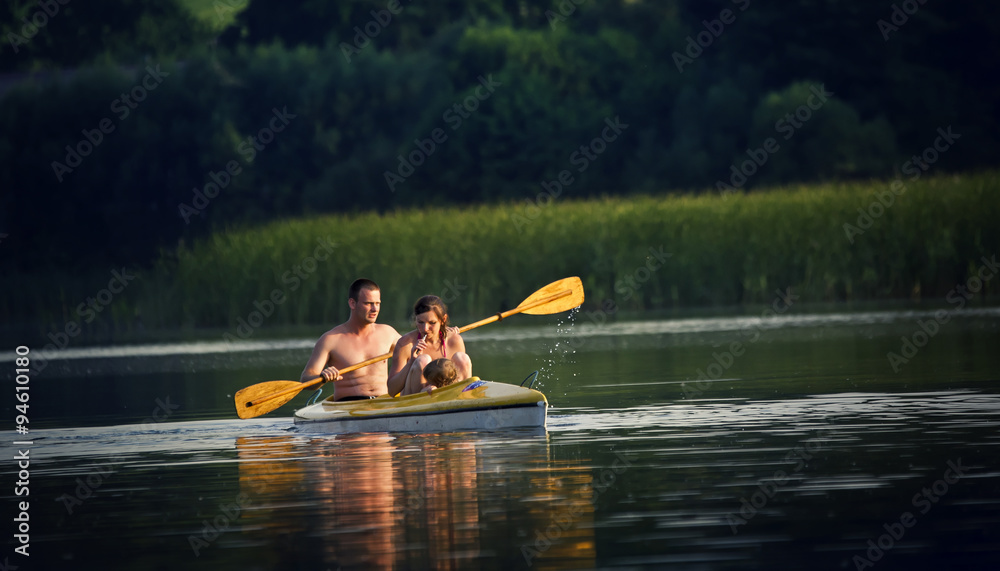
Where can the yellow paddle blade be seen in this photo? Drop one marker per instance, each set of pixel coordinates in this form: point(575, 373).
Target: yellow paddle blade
point(559, 304)
point(254, 392)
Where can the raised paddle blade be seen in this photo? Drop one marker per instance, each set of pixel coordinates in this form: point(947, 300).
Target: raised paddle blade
point(559, 303)
point(254, 392)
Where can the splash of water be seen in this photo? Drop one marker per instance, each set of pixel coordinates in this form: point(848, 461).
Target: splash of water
point(562, 351)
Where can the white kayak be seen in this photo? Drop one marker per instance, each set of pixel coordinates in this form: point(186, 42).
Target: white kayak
point(472, 404)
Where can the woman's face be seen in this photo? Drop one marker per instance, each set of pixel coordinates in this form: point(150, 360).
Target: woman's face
point(428, 324)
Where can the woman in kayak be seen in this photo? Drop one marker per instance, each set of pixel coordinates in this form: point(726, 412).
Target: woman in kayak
point(432, 339)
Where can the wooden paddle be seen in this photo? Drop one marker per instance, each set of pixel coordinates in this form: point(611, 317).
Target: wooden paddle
point(262, 398)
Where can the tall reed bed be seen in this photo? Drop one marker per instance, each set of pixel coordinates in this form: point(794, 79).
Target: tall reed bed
point(637, 252)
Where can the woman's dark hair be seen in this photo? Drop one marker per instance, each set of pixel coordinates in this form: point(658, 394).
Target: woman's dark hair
point(432, 303)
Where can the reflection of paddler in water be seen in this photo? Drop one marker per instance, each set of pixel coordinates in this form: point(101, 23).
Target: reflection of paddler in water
point(432, 339)
point(448, 478)
point(347, 488)
point(382, 501)
point(354, 489)
point(269, 476)
point(385, 499)
point(563, 532)
point(439, 478)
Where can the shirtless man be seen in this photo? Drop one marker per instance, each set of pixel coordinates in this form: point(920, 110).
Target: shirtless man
point(356, 340)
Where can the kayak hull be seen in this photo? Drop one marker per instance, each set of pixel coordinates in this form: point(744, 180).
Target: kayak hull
point(466, 406)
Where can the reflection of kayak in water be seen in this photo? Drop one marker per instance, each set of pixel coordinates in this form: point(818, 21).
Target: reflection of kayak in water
point(473, 404)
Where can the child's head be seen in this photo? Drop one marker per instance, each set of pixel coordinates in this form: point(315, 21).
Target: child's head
point(441, 372)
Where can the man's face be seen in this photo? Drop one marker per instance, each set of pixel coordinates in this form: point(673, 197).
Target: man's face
point(367, 305)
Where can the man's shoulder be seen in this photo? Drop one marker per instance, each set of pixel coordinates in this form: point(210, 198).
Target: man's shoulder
point(409, 337)
point(384, 329)
point(334, 333)
point(343, 329)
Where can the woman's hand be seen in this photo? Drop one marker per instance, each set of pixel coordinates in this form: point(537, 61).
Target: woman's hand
point(452, 331)
point(419, 347)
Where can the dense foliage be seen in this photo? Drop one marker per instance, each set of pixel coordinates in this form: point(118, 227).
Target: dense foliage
point(140, 106)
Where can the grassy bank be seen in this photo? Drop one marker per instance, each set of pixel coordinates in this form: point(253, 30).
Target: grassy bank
point(640, 253)
point(637, 253)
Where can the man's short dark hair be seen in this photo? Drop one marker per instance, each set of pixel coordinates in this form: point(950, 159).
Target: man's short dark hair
point(360, 284)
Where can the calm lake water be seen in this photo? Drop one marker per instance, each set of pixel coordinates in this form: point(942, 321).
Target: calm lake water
point(729, 442)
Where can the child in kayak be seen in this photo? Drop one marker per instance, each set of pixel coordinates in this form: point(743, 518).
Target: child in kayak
point(439, 373)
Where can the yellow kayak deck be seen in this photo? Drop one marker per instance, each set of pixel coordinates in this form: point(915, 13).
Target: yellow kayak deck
point(470, 404)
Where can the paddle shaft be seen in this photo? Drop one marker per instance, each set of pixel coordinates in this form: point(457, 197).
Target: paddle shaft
point(373, 360)
point(317, 379)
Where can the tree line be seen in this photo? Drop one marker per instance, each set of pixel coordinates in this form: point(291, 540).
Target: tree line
point(133, 128)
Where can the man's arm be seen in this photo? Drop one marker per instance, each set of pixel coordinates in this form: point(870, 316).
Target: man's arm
point(317, 362)
point(394, 336)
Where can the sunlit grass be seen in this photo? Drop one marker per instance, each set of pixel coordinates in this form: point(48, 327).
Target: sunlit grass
point(635, 253)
